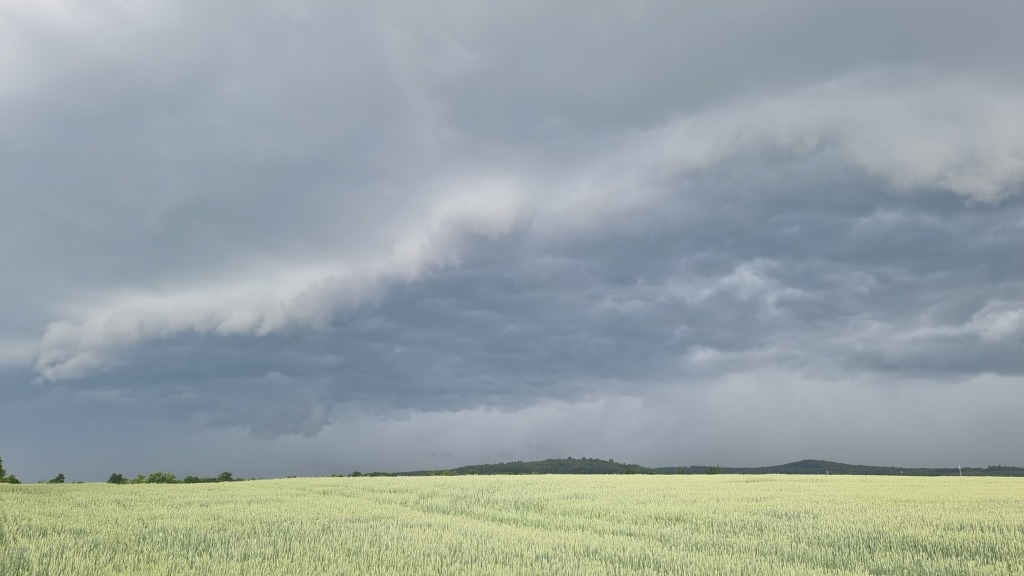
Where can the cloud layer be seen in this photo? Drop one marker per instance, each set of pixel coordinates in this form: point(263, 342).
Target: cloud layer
point(249, 219)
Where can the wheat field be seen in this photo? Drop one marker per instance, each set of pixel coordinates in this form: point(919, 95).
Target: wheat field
point(482, 525)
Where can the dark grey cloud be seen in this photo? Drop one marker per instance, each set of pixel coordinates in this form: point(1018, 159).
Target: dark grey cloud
point(376, 236)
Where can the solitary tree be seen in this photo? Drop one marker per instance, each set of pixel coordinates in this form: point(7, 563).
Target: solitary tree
point(225, 477)
point(3, 473)
point(116, 478)
point(58, 479)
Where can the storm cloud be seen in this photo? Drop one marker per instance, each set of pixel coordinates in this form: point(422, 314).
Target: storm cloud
point(319, 237)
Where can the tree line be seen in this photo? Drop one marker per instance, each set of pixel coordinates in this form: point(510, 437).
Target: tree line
point(588, 466)
point(117, 478)
point(4, 477)
point(169, 478)
point(550, 466)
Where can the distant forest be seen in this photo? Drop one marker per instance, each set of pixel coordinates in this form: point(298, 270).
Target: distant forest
point(595, 466)
point(591, 466)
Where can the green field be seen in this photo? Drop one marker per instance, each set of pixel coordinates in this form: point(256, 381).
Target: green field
point(486, 525)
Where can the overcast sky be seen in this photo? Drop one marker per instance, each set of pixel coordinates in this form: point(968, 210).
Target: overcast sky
point(313, 236)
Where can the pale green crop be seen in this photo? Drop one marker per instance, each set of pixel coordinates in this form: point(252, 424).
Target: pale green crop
point(484, 525)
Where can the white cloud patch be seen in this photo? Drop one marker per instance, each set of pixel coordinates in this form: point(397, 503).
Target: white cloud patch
point(999, 322)
point(913, 131)
point(293, 298)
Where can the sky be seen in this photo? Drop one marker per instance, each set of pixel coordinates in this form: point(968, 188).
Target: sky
point(313, 237)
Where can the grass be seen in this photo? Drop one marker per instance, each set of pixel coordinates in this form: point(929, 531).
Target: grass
point(486, 525)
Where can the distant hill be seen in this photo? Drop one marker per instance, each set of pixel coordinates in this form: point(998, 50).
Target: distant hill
point(827, 467)
point(550, 466)
point(595, 466)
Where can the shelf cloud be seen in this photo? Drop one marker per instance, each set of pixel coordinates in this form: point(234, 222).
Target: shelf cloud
point(354, 232)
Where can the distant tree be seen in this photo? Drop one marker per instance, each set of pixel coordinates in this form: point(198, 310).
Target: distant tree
point(192, 480)
point(139, 479)
point(713, 470)
point(161, 478)
point(5, 478)
point(116, 478)
point(356, 474)
point(225, 477)
point(58, 479)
